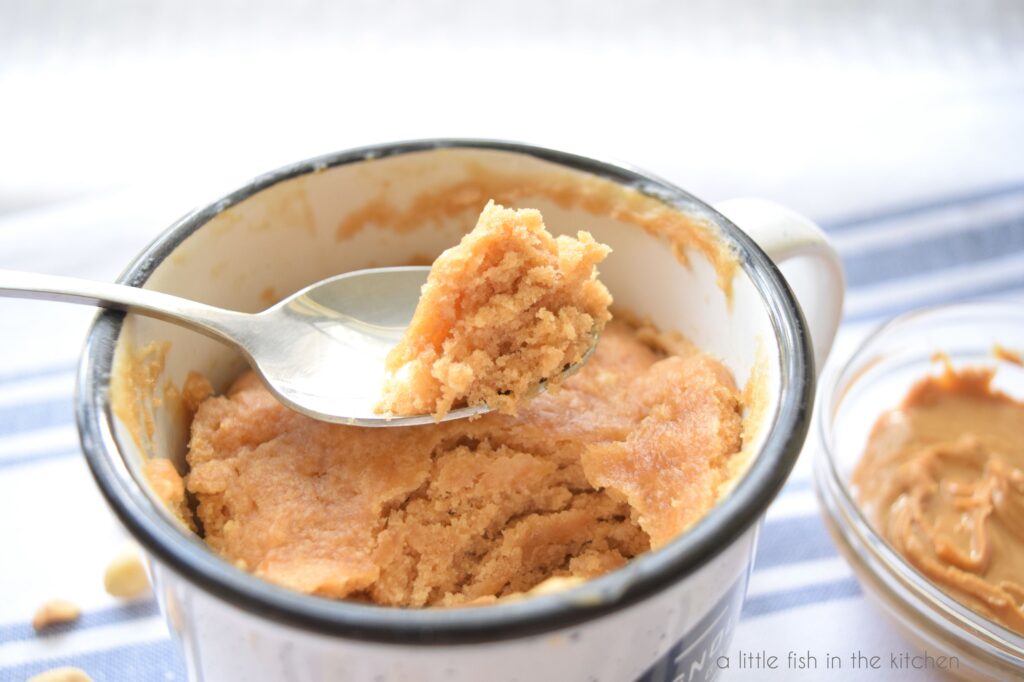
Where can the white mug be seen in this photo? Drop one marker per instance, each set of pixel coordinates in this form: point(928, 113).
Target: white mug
point(667, 614)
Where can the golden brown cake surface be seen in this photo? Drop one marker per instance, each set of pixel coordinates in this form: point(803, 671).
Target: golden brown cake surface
point(627, 455)
point(508, 307)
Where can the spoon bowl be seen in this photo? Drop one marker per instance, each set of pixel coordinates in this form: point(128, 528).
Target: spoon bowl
point(322, 350)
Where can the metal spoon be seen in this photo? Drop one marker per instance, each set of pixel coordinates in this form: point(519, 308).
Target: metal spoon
point(321, 351)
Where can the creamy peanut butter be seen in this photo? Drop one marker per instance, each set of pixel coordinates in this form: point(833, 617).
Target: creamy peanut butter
point(942, 479)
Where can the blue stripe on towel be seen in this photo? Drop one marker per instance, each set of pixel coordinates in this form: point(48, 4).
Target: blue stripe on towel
point(968, 294)
point(796, 485)
point(35, 373)
point(786, 541)
point(90, 619)
point(34, 416)
point(773, 602)
point(148, 662)
point(19, 460)
point(936, 253)
point(928, 206)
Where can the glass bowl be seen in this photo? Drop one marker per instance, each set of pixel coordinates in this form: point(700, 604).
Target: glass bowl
point(851, 398)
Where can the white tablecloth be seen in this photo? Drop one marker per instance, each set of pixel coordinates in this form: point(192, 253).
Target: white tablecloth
point(899, 130)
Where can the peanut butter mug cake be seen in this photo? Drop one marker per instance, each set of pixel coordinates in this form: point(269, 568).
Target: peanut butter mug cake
point(548, 490)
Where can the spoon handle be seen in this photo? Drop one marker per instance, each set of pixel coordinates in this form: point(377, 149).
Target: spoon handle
point(216, 322)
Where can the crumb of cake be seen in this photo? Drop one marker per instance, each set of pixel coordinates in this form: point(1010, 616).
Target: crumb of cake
point(509, 307)
point(55, 612)
point(196, 389)
point(622, 459)
point(556, 584)
point(125, 576)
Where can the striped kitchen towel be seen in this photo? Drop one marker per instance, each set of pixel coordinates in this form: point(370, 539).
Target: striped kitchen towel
point(58, 532)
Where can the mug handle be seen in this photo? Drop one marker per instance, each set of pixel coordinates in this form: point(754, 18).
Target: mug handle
point(805, 256)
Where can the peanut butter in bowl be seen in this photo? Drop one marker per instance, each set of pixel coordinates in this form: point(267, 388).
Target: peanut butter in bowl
point(942, 480)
